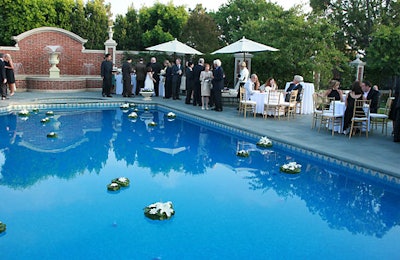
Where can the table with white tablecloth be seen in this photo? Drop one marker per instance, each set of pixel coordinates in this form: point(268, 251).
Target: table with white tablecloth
point(118, 84)
point(307, 101)
point(161, 87)
point(133, 83)
point(340, 108)
point(261, 98)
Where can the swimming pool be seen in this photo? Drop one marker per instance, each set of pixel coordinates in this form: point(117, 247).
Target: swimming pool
point(55, 203)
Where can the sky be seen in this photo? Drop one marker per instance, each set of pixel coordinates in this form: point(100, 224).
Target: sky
point(121, 7)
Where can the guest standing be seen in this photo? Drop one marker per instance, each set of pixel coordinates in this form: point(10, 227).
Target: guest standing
point(9, 66)
point(205, 79)
point(176, 79)
point(218, 84)
point(106, 74)
point(156, 67)
point(126, 77)
point(355, 94)
point(189, 82)
point(149, 81)
point(140, 70)
point(197, 84)
point(167, 73)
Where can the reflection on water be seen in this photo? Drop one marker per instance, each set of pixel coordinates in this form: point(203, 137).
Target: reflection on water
point(85, 139)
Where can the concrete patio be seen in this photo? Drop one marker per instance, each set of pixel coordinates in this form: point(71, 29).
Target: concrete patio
point(377, 152)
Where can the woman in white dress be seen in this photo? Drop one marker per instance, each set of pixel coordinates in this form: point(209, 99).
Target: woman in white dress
point(149, 81)
point(205, 79)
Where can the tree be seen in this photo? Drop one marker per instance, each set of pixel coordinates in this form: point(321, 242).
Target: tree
point(98, 18)
point(161, 23)
point(383, 52)
point(127, 31)
point(201, 31)
point(232, 16)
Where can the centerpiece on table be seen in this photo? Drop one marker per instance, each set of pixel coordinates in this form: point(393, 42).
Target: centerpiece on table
point(291, 168)
point(264, 142)
point(159, 210)
point(147, 93)
point(3, 227)
point(243, 153)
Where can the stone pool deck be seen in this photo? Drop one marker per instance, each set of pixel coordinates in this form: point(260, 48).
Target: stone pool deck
point(377, 152)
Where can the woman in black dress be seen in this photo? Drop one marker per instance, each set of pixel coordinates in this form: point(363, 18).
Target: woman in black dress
point(333, 91)
point(9, 65)
point(355, 94)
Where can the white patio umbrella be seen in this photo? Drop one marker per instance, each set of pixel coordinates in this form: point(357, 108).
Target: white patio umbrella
point(174, 46)
point(245, 45)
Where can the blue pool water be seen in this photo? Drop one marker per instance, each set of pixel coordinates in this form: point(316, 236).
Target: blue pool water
point(54, 201)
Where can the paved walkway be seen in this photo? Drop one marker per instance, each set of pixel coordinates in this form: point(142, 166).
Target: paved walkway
point(378, 152)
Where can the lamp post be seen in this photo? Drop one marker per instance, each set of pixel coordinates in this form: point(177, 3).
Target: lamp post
point(359, 64)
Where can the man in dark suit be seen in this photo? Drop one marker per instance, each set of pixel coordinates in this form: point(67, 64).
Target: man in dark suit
point(3, 78)
point(176, 78)
point(218, 84)
point(189, 82)
point(106, 74)
point(126, 77)
point(156, 73)
point(295, 85)
point(141, 70)
point(370, 94)
point(197, 84)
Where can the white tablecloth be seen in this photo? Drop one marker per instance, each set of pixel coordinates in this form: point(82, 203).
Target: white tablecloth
point(133, 82)
point(261, 98)
point(340, 108)
point(161, 87)
point(308, 91)
point(118, 84)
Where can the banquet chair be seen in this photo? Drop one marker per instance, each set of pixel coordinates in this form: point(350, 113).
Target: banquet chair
point(291, 106)
point(299, 104)
point(318, 105)
point(360, 119)
point(246, 105)
point(273, 105)
point(330, 117)
point(381, 119)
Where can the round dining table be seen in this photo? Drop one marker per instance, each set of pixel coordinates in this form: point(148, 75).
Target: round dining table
point(307, 101)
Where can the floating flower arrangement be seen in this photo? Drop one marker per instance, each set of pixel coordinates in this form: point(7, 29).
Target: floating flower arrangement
point(264, 142)
point(2, 227)
point(113, 186)
point(291, 168)
point(159, 210)
point(132, 105)
point(171, 115)
point(117, 183)
point(243, 153)
point(45, 120)
point(23, 112)
point(124, 106)
point(35, 110)
point(136, 110)
point(52, 135)
point(146, 108)
point(49, 113)
point(133, 115)
point(152, 123)
point(121, 181)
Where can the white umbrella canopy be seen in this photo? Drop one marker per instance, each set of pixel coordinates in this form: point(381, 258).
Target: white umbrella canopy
point(174, 46)
point(245, 45)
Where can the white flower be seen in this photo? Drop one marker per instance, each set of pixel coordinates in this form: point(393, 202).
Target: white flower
point(113, 185)
point(122, 179)
point(161, 208)
point(126, 105)
point(171, 114)
point(133, 114)
point(24, 112)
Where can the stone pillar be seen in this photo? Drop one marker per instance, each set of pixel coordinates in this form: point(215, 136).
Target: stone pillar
point(111, 45)
point(359, 64)
point(239, 58)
